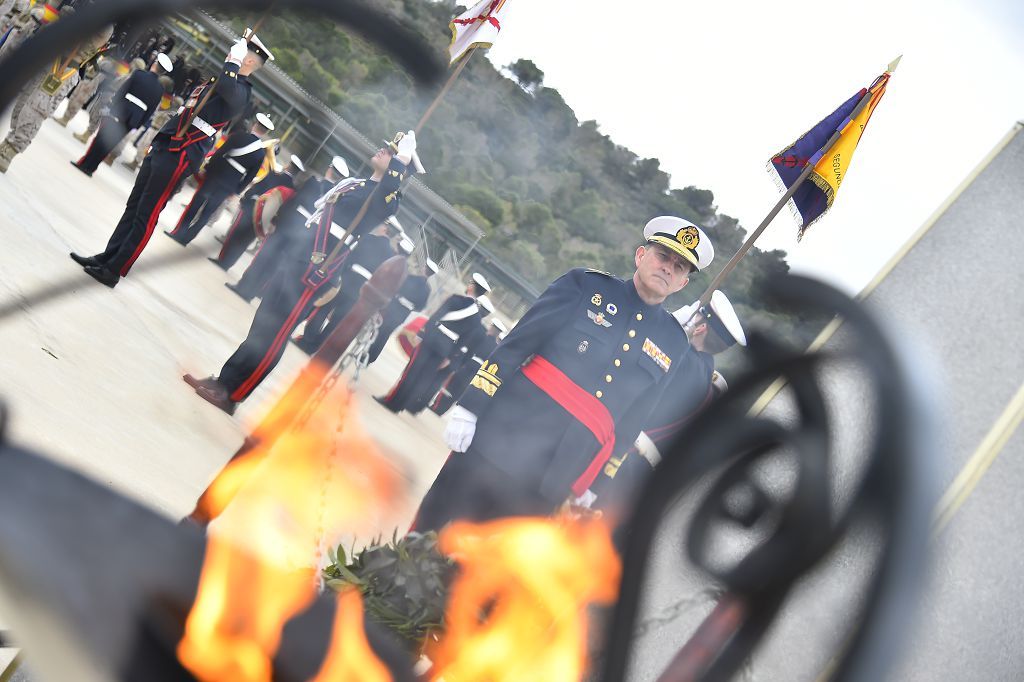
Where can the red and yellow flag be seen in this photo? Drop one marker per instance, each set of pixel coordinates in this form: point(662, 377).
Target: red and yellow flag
point(476, 27)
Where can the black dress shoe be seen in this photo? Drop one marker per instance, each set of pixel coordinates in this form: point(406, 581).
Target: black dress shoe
point(218, 397)
point(87, 172)
point(84, 261)
point(102, 275)
point(235, 289)
point(208, 382)
point(384, 402)
point(175, 239)
point(217, 262)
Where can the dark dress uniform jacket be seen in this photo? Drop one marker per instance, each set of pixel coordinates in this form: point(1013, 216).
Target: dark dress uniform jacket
point(446, 337)
point(383, 205)
point(230, 97)
point(597, 331)
point(412, 296)
point(236, 162)
point(136, 99)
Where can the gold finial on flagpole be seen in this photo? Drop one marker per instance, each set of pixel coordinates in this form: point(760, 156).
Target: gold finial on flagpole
point(893, 64)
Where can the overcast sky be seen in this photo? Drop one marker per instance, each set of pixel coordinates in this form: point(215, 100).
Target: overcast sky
point(713, 89)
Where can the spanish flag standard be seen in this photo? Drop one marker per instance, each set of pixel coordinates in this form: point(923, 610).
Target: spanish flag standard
point(828, 147)
point(476, 27)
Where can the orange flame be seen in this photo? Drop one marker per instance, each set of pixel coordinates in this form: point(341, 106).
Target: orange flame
point(286, 495)
point(350, 658)
point(518, 608)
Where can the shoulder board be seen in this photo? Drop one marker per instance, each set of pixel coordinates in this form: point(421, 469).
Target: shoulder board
point(599, 272)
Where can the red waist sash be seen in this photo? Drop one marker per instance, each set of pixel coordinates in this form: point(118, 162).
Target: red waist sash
point(590, 412)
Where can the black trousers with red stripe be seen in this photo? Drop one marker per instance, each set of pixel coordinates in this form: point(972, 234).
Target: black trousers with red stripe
point(205, 202)
point(240, 235)
point(419, 375)
point(326, 318)
point(110, 132)
point(159, 178)
point(287, 302)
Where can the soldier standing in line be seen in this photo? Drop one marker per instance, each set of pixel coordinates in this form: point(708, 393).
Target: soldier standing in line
point(176, 154)
point(370, 251)
point(412, 297)
point(582, 371)
point(242, 232)
point(94, 73)
point(229, 171)
point(40, 98)
point(712, 329)
point(132, 104)
point(459, 316)
point(19, 20)
point(95, 106)
point(304, 272)
point(463, 372)
point(289, 223)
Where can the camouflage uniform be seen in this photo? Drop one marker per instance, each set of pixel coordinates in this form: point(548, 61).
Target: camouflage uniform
point(21, 20)
point(101, 102)
point(83, 92)
point(34, 105)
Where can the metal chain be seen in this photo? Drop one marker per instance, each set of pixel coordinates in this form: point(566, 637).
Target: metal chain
point(358, 354)
point(673, 611)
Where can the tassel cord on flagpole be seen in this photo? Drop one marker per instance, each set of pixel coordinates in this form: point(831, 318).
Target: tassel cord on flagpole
point(749, 243)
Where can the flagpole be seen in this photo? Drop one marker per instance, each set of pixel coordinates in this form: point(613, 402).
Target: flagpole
point(444, 91)
point(749, 243)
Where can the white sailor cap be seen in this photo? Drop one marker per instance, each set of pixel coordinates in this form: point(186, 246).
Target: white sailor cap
point(481, 282)
point(264, 120)
point(432, 266)
point(683, 237)
point(393, 223)
point(485, 303)
point(338, 164)
point(406, 245)
point(499, 325)
point(719, 383)
point(720, 316)
point(165, 62)
point(297, 162)
point(256, 45)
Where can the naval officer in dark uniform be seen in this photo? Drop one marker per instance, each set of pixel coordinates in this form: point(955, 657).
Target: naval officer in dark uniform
point(581, 372)
point(305, 272)
point(451, 325)
point(177, 152)
point(130, 107)
point(229, 171)
point(463, 371)
point(712, 329)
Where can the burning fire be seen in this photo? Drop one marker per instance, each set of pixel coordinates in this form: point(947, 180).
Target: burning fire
point(302, 486)
point(518, 609)
point(350, 658)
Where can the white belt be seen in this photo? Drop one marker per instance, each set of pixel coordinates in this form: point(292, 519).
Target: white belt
point(338, 232)
point(136, 101)
point(479, 361)
point(237, 166)
point(203, 126)
point(447, 332)
point(406, 303)
point(461, 314)
point(247, 149)
point(361, 271)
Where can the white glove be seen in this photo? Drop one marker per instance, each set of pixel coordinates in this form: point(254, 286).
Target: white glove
point(460, 430)
point(647, 449)
point(406, 147)
point(238, 51)
point(586, 500)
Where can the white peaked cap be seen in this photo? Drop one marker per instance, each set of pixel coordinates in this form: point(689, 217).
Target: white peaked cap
point(499, 325)
point(165, 62)
point(479, 279)
point(264, 121)
point(297, 162)
point(338, 164)
point(393, 222)
point(719, 382)
point(406, 246)
point(683, 237)
point(432, 266)
point(485, 303)
point(723, 315)
point(257, 46)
